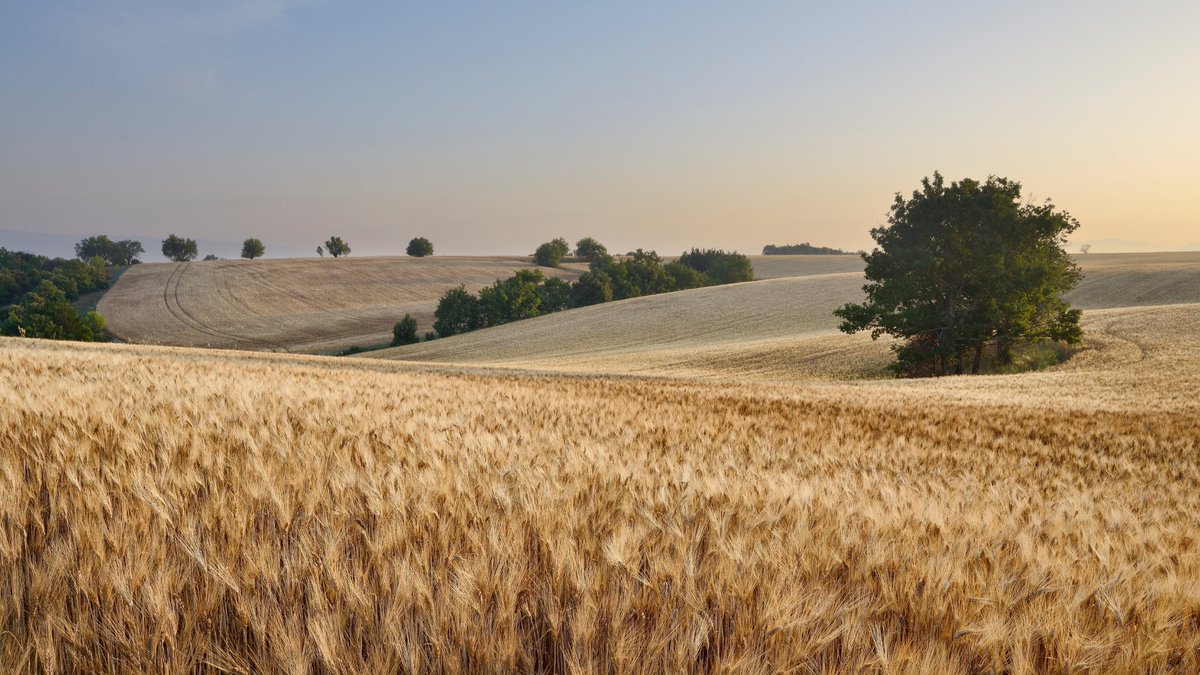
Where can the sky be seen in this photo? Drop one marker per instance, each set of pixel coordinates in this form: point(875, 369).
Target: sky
point(491, 127)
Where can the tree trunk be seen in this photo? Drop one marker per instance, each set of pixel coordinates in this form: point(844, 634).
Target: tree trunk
point(978, 357)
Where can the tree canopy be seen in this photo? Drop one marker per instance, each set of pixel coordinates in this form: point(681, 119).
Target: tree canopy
point(336, 247)
point(45, 312)
point(419, 247)
point(179, 249)
point(964, 267)
point(121, 253)
point(253, 248)
point(551, 253)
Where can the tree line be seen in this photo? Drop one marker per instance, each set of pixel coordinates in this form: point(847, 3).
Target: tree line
point(802, 249)
point(530, 293)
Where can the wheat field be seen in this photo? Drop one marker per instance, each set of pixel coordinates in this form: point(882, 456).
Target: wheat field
point(294, 305)
point(180, 510)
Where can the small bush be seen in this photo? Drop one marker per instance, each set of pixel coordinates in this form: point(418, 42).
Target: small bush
point(405, 331)
point(419, 247)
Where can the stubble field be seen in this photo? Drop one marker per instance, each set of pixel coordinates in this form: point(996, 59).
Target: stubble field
point(294, 305)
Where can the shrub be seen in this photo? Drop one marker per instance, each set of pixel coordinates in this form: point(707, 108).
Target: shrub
point(405, 331)
point(551, 253)
point(457, 312)
point(419, 247)
point(593, 288)
point(684, 277)
point(719, 266)
point(430, 335)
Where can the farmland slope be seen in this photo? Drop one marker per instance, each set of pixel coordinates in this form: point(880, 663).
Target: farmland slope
point(780, 328)
point(298, 305)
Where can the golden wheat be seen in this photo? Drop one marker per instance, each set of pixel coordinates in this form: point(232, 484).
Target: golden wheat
point(173, 510)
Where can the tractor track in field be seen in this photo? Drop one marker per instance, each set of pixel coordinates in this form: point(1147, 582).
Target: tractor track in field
point(180, 314)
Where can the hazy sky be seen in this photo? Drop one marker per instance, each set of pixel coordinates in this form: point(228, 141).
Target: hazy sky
point(491, 127)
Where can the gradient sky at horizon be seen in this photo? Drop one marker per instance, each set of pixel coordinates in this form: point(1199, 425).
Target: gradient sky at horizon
point(491, 127)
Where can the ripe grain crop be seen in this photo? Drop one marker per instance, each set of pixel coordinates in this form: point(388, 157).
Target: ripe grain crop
point(297, 305)
point(176, 510)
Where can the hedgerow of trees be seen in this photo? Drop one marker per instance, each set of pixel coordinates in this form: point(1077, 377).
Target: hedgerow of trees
point(963, 269)
point(336, 247)
point(179, 249)
point(36, 292)
point(118, 253)
point(801, 249)
point(530, 293)
point(253, 248)
point(419, 247)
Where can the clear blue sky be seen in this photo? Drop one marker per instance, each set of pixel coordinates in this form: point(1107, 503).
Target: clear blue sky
point(491, 127)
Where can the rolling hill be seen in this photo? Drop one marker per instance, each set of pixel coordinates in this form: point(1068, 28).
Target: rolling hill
point(780, 328)
point(296, 305)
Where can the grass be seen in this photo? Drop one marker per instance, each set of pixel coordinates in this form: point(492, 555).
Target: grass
point(171, 510)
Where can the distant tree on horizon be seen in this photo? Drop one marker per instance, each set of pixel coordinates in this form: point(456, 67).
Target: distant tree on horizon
point(802, 249)
point(120, 253)
point(179, 249)
point(253, 248)
point(589, 249)
point(337, 247)
point(419, 247)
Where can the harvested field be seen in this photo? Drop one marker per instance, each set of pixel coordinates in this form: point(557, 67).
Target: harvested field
point(174, 510)
point(779, 329)
point(298, 305)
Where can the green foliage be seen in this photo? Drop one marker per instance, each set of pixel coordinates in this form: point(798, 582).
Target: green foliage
point(405, 331)
point(802, 249)
point(719, 266)
point(589, 249)
point(592, 288)
point(963, 268)
point(457, 312)
point(684, 277)
point(336, 247)
point(430, 335)
point(253, 248)
point(551, 253)
point(23, 272)
point(555, 295)
point(419, 247)
point(512, 299)
point(45, 312)
point(120, 253)
point(179, 249)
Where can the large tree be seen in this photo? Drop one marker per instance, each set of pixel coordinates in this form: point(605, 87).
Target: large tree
point(965, 267)
point(179, 249)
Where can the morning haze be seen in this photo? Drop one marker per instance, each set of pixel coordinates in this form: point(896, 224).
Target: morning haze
point(493, 128)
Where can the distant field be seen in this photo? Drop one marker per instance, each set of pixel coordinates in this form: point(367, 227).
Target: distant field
point(298, 305)
point(177, 510)
point(780, 328)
